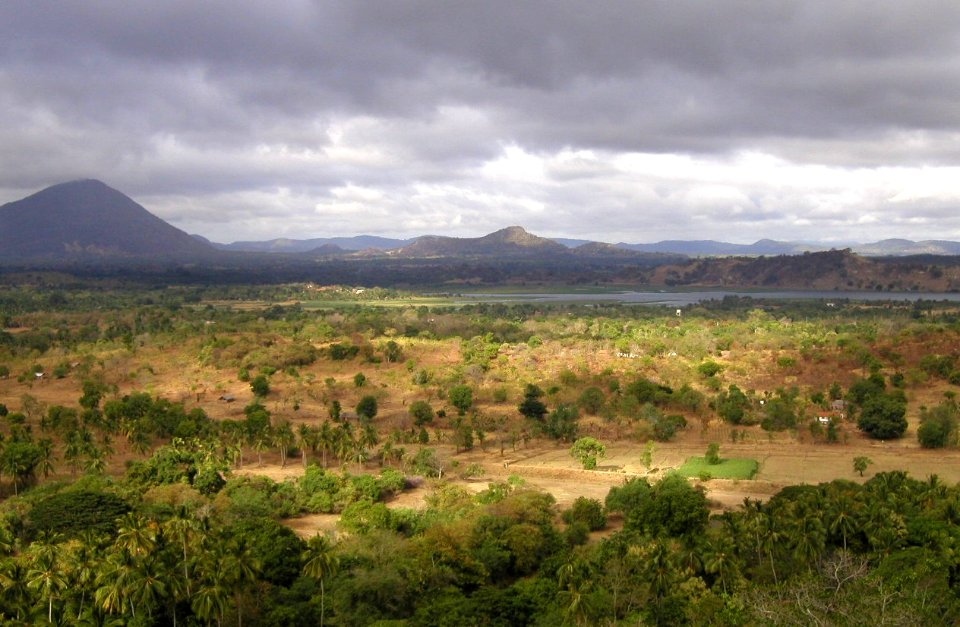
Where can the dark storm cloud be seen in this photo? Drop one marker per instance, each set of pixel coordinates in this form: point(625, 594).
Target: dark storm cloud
point(260, 119)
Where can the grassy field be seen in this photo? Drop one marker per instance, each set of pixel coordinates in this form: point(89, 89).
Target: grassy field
point(733, 468)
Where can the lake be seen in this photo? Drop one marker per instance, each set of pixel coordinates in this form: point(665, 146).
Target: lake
point(686, 298)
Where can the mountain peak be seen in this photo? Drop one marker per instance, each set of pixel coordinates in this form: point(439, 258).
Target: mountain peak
point(88, 217)
point(511, 241)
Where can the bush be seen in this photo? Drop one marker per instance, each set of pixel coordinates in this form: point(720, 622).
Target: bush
point(591, 400)
point(938, 426)
point(586, 511)
point(709, 368)
point(260, 385)
point(341, 352)
point(666, 427)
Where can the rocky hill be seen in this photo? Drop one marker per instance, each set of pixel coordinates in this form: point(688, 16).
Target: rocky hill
point(829, 270)
point(509, 242)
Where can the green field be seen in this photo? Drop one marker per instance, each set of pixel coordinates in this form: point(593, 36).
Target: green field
point(733, 468)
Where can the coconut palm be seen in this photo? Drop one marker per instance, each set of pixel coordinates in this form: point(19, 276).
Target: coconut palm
point(319, 562)
point(843, 516)
point(14, 586)
point(137, 535)
point(283, 438)
point(807, 536)
point(183, 530)
point(45, 575)
point(720, 559)
point(239, 568)
point(115, 581)
point(325, 440)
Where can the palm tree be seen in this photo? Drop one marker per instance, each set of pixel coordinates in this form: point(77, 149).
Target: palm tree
point(842, 516)
point(83, 565)
point(14, 587)
point(46, 460)
point(148, 588)
point(325, 440)
point(115, 581)
point(720, 559)
point(137, 535)
point(239, 568)
point(576, 583)
point(183, 529)
point(260, 442)
point(345, 444)
point(45, 575)
point(283, 438)
point(305, 440)
point(319, 563)
point(807, 536)
point(366, 439)
point(210, 601)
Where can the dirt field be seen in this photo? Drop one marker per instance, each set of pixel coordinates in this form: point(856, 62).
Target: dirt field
point(551, 469)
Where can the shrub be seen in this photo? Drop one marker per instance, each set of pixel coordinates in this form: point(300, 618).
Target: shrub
point(586, 511)
point(260, 385)
point(591, 400)
point(709, 368)
point(938, 426)
point(421, 412)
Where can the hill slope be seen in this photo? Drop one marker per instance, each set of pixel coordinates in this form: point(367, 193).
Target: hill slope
point(88, 218)
point(510, 242)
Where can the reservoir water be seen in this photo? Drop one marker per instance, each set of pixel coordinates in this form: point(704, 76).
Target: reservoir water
point(686, 298)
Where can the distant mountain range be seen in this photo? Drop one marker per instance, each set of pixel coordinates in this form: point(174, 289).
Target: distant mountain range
point(88, 219)
point(439, 246)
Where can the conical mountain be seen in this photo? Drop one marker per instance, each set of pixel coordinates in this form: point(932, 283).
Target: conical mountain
point(89, 218)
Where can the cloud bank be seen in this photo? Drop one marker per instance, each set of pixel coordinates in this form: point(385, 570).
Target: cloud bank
point(617, 121)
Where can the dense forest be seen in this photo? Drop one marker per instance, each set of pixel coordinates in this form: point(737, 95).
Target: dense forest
point(134, 421)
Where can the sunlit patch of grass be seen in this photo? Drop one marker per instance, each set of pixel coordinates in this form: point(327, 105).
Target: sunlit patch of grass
point(733, 468)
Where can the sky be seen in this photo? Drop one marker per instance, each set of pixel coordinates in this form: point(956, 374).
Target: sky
point(632, 121)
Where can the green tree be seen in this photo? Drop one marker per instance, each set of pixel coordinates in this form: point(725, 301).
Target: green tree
point(587, 451)
point(561, 423)
point(461, 397)
point(674, 508)
point(860, 464)
point(732, 405)
point(367, 407)
point(531, 406)
point(883, 416)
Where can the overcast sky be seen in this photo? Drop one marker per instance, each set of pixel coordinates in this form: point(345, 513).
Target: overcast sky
point(617, 121)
